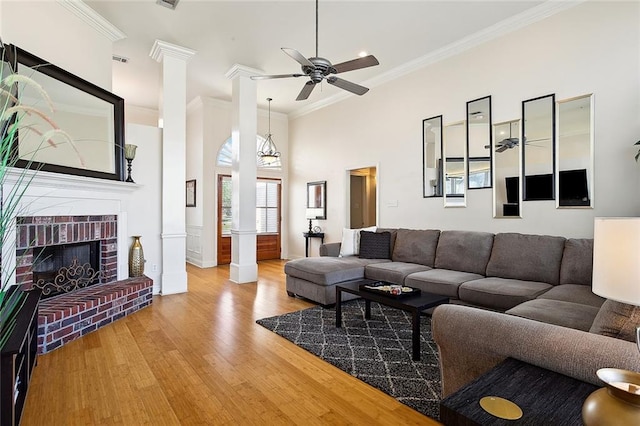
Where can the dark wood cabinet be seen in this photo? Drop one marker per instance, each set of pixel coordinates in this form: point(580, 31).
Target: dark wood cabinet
point(17, 359)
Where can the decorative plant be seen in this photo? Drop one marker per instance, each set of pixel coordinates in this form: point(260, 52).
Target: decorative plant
point(16, 116)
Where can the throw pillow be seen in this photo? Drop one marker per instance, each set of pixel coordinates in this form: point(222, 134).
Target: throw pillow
point(617, 320)
point(350, 245)
point(375, 245)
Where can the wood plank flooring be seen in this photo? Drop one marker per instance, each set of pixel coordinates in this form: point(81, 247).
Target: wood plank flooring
point(200, 358)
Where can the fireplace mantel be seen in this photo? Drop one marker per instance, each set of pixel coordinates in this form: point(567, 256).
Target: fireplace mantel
point(55, 194)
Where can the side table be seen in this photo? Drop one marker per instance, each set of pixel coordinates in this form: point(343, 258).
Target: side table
point(307, 236)
point(545, 397)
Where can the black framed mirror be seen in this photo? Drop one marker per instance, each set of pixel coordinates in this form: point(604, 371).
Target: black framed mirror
point(432, 157)
point(317, 200)
point(574, 152)
point(92, 117)
point(506, 170)
point(479, 131)
point(455, 165)
point(538, 148)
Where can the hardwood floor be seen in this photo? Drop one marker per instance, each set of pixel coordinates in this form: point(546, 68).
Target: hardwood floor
point(200, 358)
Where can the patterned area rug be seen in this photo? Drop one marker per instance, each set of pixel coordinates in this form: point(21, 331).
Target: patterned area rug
point(377, 351)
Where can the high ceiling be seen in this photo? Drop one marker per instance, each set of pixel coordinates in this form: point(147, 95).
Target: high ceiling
point(251, 33)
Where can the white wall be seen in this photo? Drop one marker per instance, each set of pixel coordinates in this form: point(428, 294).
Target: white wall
point(50, 31)
point(591, 48)
point(145, 204)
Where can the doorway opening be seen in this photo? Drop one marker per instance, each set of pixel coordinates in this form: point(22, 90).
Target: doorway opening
point(268, 219)
point(363, 200)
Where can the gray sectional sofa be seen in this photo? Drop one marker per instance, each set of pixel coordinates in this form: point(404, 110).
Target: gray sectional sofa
point(544, 278)
point(543, 283)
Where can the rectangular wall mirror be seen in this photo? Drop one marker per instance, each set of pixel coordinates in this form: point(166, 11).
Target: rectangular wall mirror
point(317, 200)
point(432, 157)
point(538, 149)
point(455, 173)
point(479, 143)
point(91, 116)
point(506, 170)
point(574, 153)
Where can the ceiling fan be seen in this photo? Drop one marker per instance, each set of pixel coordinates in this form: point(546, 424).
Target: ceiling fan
point(318, 69)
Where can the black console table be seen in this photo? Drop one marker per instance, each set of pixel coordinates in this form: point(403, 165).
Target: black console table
point(545, 397)
point(17, 359)
point(308, 235)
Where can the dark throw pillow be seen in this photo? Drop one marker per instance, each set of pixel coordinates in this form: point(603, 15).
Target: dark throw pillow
point(617, 320)
point(375, 245)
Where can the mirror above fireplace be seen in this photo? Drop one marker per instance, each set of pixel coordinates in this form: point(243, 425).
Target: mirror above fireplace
point(90, 115)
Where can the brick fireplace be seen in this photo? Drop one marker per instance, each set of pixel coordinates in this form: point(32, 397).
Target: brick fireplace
point(68, 312)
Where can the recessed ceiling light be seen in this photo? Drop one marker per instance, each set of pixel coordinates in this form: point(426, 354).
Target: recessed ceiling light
point(363, 54)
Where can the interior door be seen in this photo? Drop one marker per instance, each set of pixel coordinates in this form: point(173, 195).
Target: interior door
point(362, 197)
point(268, 223)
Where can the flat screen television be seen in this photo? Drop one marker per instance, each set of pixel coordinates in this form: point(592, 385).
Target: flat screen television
point(573, 188)
point(538, 187)
point(513, 188)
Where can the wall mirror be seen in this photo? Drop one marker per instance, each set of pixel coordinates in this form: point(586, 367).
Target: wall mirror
point(432, 157)
point(317, 200)
point(574, 153)
point(506, 170)
point(91, 116)
point(538, 149)
point(454, 150)
point(479, 143)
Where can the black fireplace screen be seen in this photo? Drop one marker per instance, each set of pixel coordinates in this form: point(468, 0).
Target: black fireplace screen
point(65, 268)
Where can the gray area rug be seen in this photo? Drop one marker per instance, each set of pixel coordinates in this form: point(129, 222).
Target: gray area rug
point(377, 351)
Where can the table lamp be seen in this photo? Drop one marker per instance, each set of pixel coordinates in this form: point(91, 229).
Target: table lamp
point(311, 214)
point(616, 276)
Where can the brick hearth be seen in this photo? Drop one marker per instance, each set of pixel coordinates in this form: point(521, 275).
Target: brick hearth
point(65, 318)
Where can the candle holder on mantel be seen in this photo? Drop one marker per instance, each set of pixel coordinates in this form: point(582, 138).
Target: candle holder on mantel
point(129, 155)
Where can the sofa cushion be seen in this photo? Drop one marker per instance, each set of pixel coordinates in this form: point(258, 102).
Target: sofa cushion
point(440, 281)
point(465, 251)
point(393, 232)
point(526, 257)
point(576, 293)
point(500, 293)
point(392, 272)
point(558, 312)
point(375, 245)
point(350, 244)
point(328, 270)
point(577, 261)
point(616, 319)
point(416, 246)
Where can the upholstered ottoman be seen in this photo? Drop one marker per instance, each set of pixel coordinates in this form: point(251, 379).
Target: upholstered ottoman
point(315, 278)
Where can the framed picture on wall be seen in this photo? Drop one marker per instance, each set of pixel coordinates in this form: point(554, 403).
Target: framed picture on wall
point(191, 193)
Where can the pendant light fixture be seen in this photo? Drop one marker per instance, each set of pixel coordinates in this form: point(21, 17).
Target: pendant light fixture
point(268, 151)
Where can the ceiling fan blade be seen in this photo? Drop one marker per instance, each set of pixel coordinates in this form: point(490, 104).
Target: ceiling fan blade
point(502, 148)
point(297, 56)
point(269, 77)
point(306, 91)
point(347, 85)
point(356, 64)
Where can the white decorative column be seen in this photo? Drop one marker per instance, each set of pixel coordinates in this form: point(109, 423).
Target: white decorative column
point(244, 127)
point(173, 112)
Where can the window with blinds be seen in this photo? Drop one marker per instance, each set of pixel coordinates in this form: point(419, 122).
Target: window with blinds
point(267, 206)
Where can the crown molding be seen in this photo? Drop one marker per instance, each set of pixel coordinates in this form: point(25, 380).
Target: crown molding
point(93, 18)
point(160, 49)
point(238, 70)
point(526, 18)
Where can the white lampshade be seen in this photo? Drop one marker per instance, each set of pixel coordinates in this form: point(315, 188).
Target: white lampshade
point(616, 259)
point(314, 213)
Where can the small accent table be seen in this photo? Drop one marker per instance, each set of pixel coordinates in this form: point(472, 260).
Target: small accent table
point(545, 397)
point(413, 304)
point(308, 235)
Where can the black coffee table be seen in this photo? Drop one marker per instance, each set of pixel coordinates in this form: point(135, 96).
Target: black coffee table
point(413, 304)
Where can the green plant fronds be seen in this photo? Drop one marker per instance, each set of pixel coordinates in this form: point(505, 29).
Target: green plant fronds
point(14, 78)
